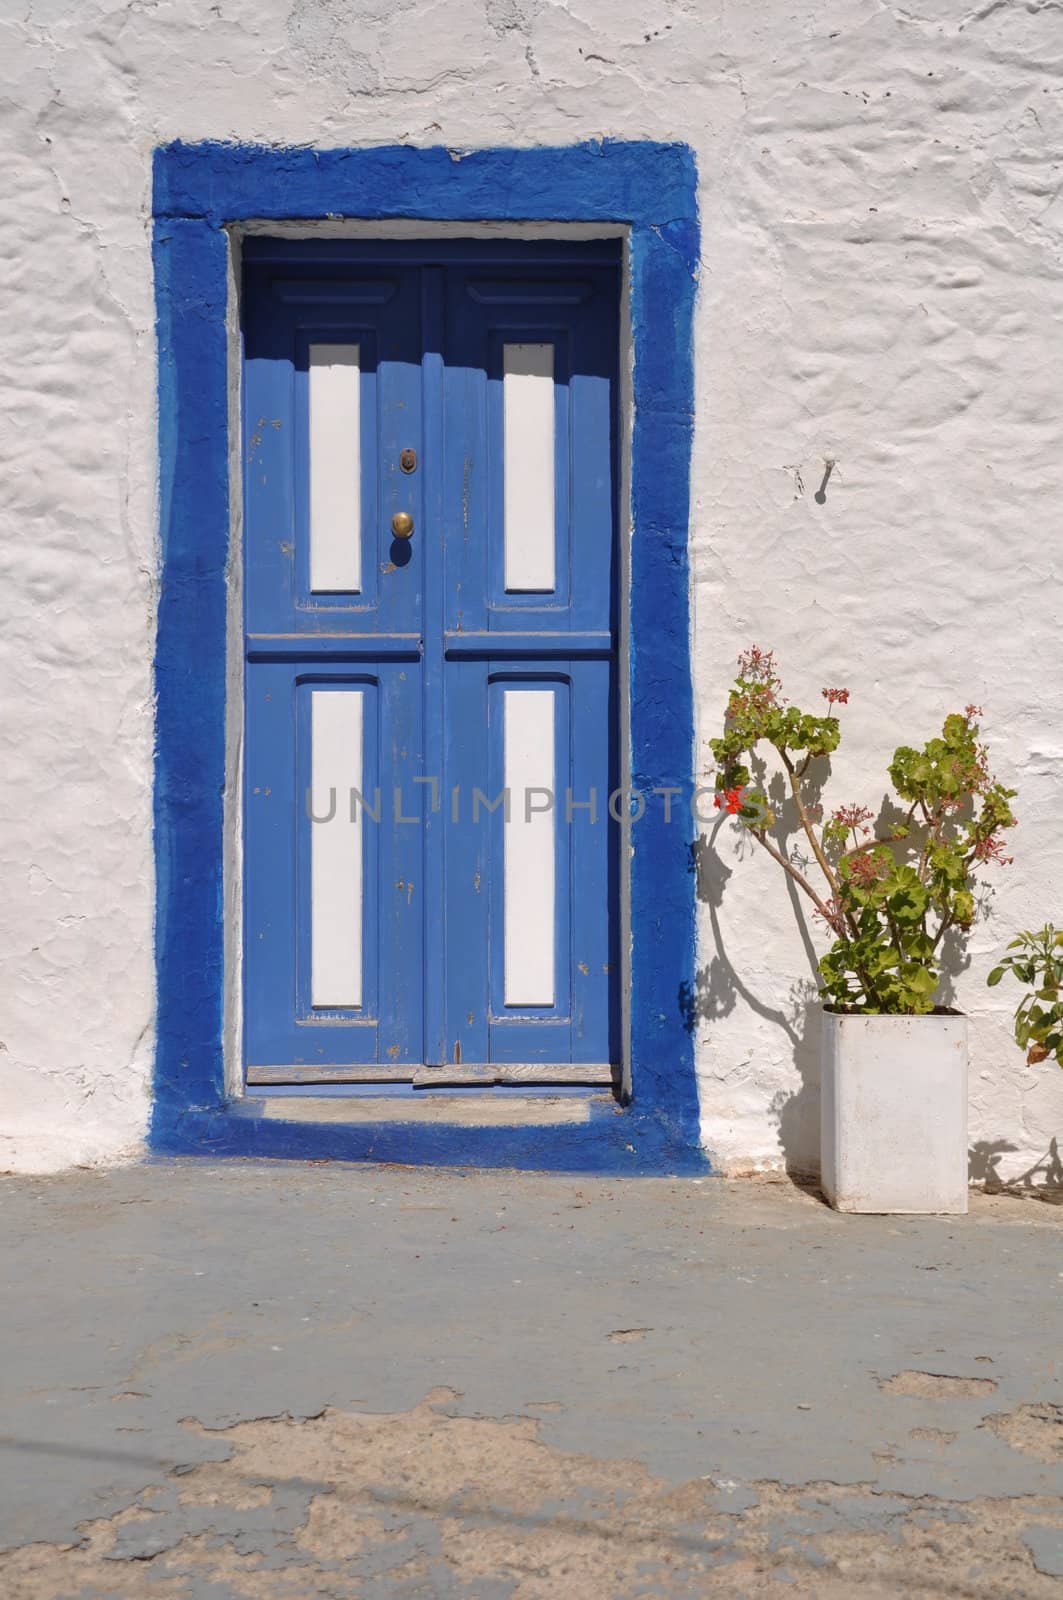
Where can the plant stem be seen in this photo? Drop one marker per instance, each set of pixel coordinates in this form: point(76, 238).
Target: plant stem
point(895, 934)
point(798, 877)
point(817, 848)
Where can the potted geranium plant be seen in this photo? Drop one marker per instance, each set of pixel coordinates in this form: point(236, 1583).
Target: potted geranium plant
point(894, 1079)
point(1038, 966)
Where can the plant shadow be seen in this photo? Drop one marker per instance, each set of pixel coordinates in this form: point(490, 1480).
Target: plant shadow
point(718, 986)
point(1044, 1179)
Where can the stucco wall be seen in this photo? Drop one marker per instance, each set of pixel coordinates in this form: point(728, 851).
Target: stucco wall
point(881, 286)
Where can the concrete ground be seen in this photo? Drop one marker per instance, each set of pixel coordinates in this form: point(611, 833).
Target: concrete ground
point(255, 1381)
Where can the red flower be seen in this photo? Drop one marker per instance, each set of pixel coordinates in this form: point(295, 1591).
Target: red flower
point(838, 697)
point(731, 798)
point(852, 816)
point(992, 849)
point(755, 701)
point(864, 870)
point(834, 918)
point(757, 663)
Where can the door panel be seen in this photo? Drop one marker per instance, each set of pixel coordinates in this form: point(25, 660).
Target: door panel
point(299, 802)
point(576, 321)
point(400, 927)
point(290, 322)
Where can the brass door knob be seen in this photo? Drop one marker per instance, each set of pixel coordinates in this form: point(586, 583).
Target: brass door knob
point(402, 525)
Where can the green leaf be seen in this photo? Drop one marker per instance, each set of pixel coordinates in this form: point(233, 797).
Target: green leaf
point(995, 977)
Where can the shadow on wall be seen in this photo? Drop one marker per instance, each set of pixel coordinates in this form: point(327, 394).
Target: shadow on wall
point(1045, 1177)
point(719, 986)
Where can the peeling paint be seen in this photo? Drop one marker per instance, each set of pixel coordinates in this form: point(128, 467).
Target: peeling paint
point(315, 1505)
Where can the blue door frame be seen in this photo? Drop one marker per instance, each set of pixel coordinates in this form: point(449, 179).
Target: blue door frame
point(200, 192)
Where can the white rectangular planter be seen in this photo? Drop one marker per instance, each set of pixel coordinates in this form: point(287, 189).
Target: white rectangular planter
point(894, 1113)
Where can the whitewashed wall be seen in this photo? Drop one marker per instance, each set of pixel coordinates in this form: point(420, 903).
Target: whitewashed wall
point(881, 285)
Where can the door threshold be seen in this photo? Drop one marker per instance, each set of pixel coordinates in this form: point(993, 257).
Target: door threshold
point(523, 1075)
point(406, 1091)
point(464, 1111)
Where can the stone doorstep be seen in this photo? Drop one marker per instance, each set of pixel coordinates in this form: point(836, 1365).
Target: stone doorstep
point(460, 1111)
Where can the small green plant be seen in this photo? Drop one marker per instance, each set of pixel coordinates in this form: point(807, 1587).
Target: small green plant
point(891, 895)
point(1039, 1017)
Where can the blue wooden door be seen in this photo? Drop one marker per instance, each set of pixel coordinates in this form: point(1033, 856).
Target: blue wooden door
point(430, 854)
